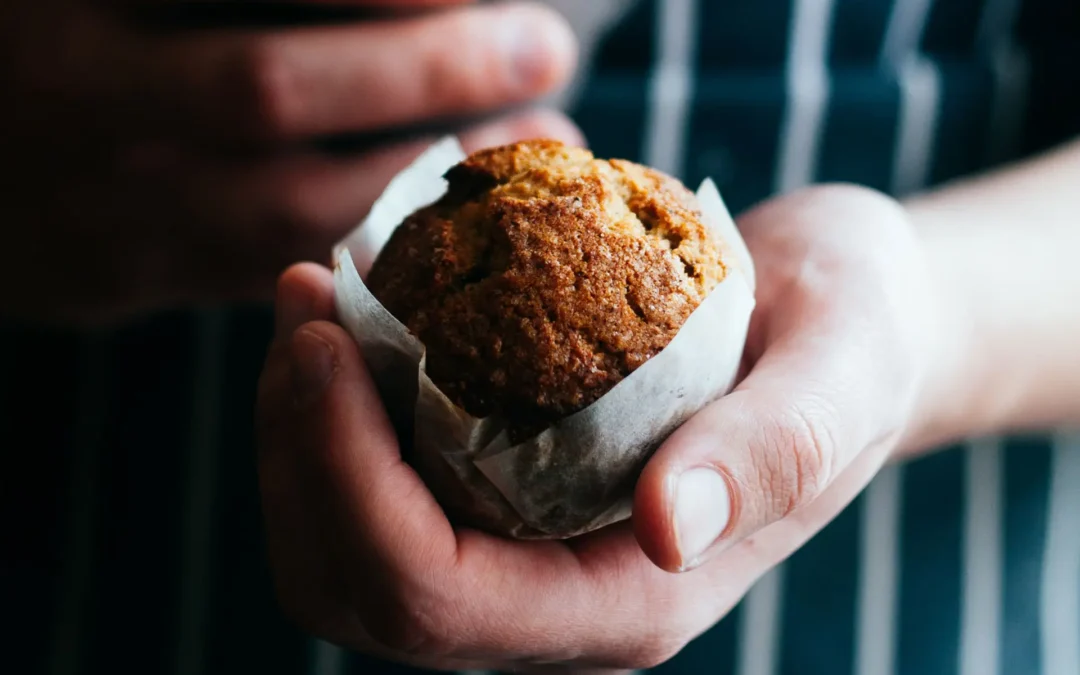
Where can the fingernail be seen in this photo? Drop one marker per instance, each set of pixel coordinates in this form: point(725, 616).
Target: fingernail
point(702, 512)
point(313, 366)
point(538, 46)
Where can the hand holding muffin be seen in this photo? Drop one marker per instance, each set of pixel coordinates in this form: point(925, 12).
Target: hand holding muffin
point(835, 361)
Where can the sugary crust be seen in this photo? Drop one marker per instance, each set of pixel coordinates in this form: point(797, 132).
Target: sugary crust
point(545, 276)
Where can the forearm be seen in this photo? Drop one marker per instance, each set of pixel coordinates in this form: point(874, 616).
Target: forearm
point(1004, 252)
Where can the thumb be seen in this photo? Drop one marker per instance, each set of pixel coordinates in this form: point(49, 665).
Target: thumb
point(770, 448)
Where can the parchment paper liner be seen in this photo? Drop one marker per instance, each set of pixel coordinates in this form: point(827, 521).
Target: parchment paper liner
point(578, 475)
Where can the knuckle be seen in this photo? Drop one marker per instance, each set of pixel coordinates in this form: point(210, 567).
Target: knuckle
point(797, 463)
point(449, 86)
point(411, 621)
point(657, 650)
point(266, 85)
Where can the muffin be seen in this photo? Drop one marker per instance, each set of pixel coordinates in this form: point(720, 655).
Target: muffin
point(544, 277)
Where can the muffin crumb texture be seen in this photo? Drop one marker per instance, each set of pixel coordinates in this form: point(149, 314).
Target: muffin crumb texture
point(544, 277)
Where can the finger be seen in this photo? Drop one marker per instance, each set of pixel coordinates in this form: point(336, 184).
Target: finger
point(305, 294)
point(381, 499)
point(224, 229)
point(424, 590)
point(388, 4)
point(529, 124)
point(403, 555)
point(310, 559)
point(311, 198)
point(303, 541)
point(751, 459)
point(238, 224)
point(288, 85)
point(173, 15)
point(833, 383)
point(299, 540)
point(391, 3)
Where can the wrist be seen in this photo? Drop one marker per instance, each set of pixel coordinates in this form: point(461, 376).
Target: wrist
point(956, 396)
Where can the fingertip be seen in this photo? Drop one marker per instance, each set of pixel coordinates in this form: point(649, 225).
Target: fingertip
point(296, 278)
point(553, 55)
point(305, 293)
point(553, 124)
point(529, 124)
point(327, 363)
point(685, 501)
point(652, 517)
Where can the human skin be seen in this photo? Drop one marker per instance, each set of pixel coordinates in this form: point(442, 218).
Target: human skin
point(883, 330)
point(158, 163)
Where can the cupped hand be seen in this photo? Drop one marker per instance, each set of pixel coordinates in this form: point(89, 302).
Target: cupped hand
point(159, 161)
point(840, 345)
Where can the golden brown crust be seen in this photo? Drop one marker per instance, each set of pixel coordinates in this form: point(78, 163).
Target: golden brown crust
point(545, 276)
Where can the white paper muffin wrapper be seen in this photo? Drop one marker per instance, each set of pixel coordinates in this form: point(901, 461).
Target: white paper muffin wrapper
point(578, 475)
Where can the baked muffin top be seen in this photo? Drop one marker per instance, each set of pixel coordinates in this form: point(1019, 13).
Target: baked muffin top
point(545, 276)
